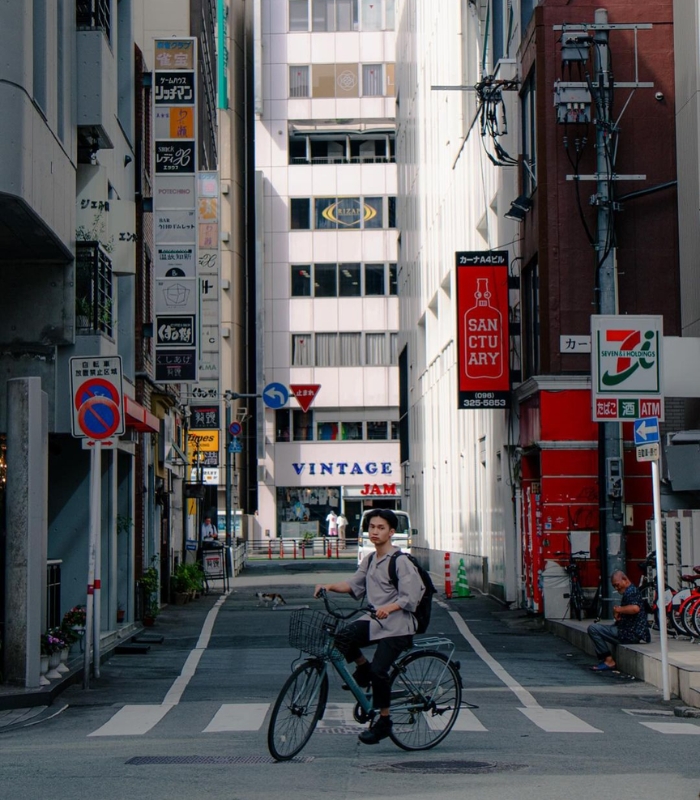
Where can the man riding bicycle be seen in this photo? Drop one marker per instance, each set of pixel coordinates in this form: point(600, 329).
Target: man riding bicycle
point(393, 625)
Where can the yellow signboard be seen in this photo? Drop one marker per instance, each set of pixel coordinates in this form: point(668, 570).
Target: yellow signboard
point(204, 441)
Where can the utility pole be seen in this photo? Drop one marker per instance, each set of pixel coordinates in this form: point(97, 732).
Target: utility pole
point(228, 397)
point(575, 101)
point(612, 545)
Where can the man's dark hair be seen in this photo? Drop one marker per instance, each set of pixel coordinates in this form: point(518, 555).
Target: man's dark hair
point(386, 514)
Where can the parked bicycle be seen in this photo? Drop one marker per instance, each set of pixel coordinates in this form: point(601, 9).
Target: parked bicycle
point(682, 606)
point(426, 686)
point(578, 601)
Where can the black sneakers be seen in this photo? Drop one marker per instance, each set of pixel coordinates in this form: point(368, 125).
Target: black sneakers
point(378, 730)
point(362, 676)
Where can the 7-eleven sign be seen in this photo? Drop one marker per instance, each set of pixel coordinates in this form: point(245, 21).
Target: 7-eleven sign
point(305, 393)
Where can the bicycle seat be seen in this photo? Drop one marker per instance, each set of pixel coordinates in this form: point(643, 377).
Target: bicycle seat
point(690, 578)
point(696, 570)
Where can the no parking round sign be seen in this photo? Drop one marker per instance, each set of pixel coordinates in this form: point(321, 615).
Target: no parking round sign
point(98, 405)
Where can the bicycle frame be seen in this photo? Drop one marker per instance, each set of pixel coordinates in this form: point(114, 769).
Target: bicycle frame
point(364, 698)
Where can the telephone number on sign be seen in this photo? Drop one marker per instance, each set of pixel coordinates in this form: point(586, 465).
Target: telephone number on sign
point(484, 402)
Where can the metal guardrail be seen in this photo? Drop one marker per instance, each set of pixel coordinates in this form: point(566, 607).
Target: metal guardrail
point(301, 548)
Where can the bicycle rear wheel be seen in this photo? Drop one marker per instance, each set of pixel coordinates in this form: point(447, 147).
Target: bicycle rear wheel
point(298, 708)
point(576, 602)
point(426, 694)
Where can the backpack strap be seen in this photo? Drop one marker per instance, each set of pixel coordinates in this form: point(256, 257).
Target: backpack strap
point(393, 575)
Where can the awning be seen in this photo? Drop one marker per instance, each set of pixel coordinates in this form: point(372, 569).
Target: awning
point(140, 418)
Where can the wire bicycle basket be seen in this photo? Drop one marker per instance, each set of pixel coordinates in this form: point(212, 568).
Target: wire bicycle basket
point(314, 632)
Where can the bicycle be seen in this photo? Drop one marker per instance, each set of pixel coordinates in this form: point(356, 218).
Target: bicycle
point(578, 602)
point(426, 687)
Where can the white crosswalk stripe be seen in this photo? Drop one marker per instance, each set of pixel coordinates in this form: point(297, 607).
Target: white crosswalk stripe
point(687, 728)
point(136, 720)
point(238, 717)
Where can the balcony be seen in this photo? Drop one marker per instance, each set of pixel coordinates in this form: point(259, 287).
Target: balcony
point(94, 284)
point(97, 91)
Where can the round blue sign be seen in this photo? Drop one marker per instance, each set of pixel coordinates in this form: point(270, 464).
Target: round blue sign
point(275, 395)
point(235, 429)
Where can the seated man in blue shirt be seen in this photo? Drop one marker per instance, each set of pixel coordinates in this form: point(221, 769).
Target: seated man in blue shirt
point(393, 628)
point(630, 627)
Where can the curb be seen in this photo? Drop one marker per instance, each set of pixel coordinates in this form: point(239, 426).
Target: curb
point(686, 711)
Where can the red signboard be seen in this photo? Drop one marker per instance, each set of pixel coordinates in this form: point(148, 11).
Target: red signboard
point(305, 393)
point(482, 329)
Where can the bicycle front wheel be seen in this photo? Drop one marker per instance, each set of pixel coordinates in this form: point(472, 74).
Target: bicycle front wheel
point(298, 708)
point(426, 694)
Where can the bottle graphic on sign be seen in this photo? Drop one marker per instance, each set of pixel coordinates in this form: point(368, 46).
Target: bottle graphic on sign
point(483, 329)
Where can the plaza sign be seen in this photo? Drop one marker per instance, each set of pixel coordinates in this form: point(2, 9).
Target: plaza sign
point(626, 367)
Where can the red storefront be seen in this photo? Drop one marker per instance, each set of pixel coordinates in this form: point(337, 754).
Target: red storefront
point(560, 483)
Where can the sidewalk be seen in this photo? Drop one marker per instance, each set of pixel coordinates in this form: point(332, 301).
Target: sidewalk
point(643, 661)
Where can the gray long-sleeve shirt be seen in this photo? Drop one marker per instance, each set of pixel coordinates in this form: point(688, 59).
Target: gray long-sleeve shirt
point(372, 579)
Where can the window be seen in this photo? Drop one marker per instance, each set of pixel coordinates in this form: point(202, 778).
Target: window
point(395, 428)
point(341, 80)
point(394, 349)
point(528, 100)
point(392, 212)
point(327, 431)
point(301, 281)
point(298, 15)
point(372, 80)
point(299, 81)
point(282, 430)
point(351, 431)
point(350, 349)
point(342, 15)
point(374, 212)
point(375, 345)
point(326, 280)
point(335, 15)
point(303, 426)
point(300, 213)
point(349, 280)
point(348, 213)
point(529, 286)
point(326, 148)
point(374, 279)
point(343, 280)
point(301, 350)
point(326, 349)
point(377, 430)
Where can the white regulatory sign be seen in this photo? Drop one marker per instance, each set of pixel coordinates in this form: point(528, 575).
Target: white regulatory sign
point(648, 452)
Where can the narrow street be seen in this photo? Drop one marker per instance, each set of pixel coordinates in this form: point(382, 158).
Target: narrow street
point(188, 718)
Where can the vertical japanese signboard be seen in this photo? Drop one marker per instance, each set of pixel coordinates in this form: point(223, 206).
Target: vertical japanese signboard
point(175, 210)
point(208, 270)
point(482, 329)
point(626, 367)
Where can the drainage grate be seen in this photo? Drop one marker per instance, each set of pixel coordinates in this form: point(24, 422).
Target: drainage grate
point(447, 767)
point(145, 760)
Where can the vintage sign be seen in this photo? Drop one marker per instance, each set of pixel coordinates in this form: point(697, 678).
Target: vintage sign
point(626, 367)
point(482, 329)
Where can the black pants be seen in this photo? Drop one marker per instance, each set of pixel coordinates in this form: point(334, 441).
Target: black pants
point(355, 636)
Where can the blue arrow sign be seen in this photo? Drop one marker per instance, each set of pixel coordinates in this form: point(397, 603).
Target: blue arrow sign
point(275, 395)
point(646, 431)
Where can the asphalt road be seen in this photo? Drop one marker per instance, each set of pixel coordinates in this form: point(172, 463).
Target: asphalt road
point(188, 719)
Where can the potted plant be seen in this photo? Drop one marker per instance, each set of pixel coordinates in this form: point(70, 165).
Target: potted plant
point(73, 625)
point(149, 585)
point(83, 312)
point(180, 584)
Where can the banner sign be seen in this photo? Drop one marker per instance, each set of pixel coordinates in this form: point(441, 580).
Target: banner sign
point(177, 319)
point(626, 367)
point(482, 329)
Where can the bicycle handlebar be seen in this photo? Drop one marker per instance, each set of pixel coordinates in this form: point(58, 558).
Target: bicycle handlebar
point(368, 609)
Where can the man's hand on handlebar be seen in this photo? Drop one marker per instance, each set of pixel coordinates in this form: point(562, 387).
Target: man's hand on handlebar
point(320, 590)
